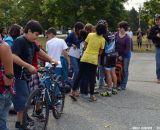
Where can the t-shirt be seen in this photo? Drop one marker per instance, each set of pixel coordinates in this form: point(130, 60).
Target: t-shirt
point(35, 58)
point(25, 50)
point(55, 47)
point(95, 43)
point(123, 46)
point(8, 40)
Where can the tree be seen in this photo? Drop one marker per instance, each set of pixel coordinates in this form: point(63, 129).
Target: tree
point(149, 10)
point(63, 12)
point(133, 19)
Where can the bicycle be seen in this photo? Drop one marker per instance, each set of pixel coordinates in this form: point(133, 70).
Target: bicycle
point(49, 96)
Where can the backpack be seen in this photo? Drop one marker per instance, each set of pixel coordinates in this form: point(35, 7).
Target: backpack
point(110, 45)
point(110, 53)
point(119, 71)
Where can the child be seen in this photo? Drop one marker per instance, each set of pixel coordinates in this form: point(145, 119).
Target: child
point(110, 63)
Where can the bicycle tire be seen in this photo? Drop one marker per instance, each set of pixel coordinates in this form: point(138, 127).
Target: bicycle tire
point(57, 110)
point(32, 101)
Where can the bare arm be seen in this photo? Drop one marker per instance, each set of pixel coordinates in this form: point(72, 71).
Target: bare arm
point(7, 60)
point(45, 57)
point(67, 57)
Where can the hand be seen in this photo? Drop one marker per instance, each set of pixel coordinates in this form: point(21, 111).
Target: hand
point(54, 62)
point(158, 35)
point(32, 69)
point(7, 81)
point(120, 58)
point(74, 46)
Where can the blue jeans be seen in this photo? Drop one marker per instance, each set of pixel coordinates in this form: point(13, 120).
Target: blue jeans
point(124, 81)
point(58, 71)
point(5, 103)
point(64, 68)
point(75, 66)
point(158, 62)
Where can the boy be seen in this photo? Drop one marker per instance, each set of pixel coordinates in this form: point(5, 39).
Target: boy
point(25, 48)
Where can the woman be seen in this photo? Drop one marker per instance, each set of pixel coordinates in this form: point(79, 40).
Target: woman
point(14, 32)
point(123, 47)
point(94, 44)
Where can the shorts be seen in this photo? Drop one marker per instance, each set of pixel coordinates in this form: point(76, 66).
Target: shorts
point(110, 68)
point(22, 93)
point(110, 61)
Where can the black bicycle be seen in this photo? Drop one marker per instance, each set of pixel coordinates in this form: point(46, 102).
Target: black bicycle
point(49, 96)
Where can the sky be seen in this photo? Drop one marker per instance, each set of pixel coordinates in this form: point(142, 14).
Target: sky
point(134, 3)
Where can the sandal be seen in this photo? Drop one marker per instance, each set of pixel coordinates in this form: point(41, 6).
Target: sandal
point(72, 95)
point(93, 98)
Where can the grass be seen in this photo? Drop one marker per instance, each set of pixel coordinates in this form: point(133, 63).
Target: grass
point(43, 40)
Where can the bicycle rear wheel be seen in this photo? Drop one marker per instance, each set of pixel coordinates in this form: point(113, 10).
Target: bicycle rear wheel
point(36, 111)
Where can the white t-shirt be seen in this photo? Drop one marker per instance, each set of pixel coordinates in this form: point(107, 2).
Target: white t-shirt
point(130, 34)
point(55, 47)
point(74, 52)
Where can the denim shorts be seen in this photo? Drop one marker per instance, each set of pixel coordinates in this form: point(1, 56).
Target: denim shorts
point(109, 68)
point(5, 103)
point(22, 93)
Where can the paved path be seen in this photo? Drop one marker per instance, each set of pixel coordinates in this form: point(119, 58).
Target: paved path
point(137, 108)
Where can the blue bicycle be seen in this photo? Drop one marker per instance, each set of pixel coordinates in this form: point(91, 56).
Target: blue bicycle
point(49, 96)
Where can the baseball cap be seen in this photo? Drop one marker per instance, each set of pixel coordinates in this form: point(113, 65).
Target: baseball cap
point(157, 16)
point(102, 21)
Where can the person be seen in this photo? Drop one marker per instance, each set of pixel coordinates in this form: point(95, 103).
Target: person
point(110, 64)
point(130, 33)
point(6, 81)
point(84, 80)
point(3, 33)
point(101, 67)
point(56, 47)
point(24, 48)
point(14, 32)
point(139, 38)
point(73, 40)
point(149, 41)
point(154, 35)
point(123, 47)
point(94, 45)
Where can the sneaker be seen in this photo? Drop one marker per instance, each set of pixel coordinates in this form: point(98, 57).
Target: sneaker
point(108, 93)
point(119, 88)
point(17, 124)
point(114, 91)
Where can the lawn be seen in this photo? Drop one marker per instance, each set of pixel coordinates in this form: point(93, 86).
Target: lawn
point(43, 40)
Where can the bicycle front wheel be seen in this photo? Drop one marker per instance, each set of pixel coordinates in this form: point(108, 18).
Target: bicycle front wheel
point(36, 111)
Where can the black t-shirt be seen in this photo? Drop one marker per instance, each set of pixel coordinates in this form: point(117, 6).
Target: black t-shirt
point(25, 50)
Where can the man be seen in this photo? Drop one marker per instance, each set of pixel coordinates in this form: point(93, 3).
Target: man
point(24, 48)
point(154, 35)
point(6, 79)
point(55, 48)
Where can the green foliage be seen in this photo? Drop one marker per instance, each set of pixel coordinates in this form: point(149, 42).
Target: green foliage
point(149, 10)
point(61, 12)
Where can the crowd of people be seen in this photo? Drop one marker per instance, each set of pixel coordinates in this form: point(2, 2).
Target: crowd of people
point(91, 52)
